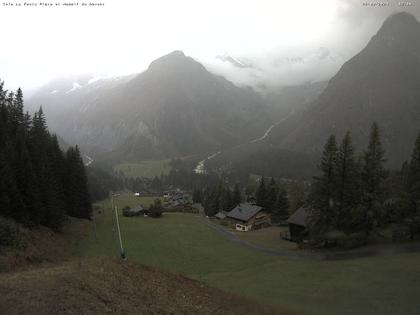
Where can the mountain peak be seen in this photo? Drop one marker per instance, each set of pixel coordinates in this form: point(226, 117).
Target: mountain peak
point(177, 53)
point(175, 62)
point(399, 24)
point(175, 56)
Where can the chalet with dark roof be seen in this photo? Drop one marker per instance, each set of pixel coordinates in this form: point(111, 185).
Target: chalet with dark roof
point(246, 217)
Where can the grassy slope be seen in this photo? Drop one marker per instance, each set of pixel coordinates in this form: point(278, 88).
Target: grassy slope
point(179, 242)
point(147, 169)
point(110, 286)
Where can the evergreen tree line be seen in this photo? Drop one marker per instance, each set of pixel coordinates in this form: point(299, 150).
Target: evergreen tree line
point(357, 193)
point(218, 198)
point(273, 198)
point(39, 184)
point(176, 178)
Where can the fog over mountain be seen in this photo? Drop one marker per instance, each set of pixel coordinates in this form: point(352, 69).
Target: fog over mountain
point(174, 108)
point(381, 83)
point(281, 42)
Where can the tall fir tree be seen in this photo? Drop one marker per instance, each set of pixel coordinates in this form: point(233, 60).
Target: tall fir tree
point(271, 195)
point(78, 199)
point(227, 200)
point(374, 179)
point(413, 185)
point(347, 187)
point(324, 188)
point(280, 210)
point(237, 196)
point(260, 194)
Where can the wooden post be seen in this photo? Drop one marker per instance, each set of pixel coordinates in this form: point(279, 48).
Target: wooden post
point(119, 235)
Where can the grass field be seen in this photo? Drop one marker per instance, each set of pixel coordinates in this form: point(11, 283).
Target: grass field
point(148, 169)
point(268, 238)
point(181, 243)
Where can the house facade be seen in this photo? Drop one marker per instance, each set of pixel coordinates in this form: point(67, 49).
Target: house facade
point(246, 217)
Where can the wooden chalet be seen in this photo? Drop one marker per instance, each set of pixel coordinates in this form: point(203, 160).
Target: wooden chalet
point(246, 217)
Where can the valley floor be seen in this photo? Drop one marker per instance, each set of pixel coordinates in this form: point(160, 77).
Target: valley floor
point(181, 243)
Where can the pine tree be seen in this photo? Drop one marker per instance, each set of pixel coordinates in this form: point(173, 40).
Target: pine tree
point(261, 193)
point(78, 199)
point(227, 200)
point(271, 196)
point(197, 196)
point(373, 178)
point(413, 188)
point(280, 210)
point(237, 197)
point(347, 186)
point(16, 110)
point(323, 189)
point(11, 204)
point(27, 182)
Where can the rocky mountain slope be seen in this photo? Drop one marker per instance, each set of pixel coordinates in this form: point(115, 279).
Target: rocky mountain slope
point(381, 83)
point(176, 107)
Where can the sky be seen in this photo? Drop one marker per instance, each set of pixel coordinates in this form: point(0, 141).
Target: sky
point(278, 42)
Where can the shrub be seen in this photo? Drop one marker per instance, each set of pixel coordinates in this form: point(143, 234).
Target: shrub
point(401, 233)
point(11, 234)
point(155, 210)
point(126, 211)
point(340, 240)
point(408, 230)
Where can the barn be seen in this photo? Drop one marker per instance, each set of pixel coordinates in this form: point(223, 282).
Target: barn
point(297, 224)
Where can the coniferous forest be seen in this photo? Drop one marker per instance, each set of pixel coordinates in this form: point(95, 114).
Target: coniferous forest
point(358, 194)
point(40, 184)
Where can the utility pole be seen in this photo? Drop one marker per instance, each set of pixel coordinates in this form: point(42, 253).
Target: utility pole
point(119, 235)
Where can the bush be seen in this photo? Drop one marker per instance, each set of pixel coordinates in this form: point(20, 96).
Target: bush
point(11, 234)
point(401, 233)
point(340, 240)
point(155, 210)
point(126, 211)
point(409, 230)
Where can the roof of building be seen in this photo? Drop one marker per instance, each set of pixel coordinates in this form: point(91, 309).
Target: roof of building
point(137, 208)
point(244, 211)
point(299, 217)
point(221, 215)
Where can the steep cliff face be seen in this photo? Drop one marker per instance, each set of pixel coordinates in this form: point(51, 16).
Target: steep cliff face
point(381, 83)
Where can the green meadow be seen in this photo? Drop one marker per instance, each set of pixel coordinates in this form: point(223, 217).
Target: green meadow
point(147, 169)
point(183, 244)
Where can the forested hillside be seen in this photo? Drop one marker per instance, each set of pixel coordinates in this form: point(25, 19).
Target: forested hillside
point(40, 184)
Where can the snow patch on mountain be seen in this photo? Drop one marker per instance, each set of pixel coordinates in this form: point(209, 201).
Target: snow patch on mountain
point(75, 87)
